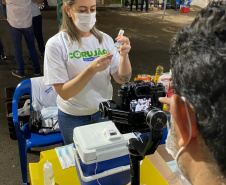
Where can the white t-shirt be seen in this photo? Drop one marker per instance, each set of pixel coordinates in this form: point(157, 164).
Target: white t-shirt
point(64, 61)
point(19, 13)
point(43, 96)
point(35, 8)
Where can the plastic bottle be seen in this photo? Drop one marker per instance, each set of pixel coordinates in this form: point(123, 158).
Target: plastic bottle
point(48, 174)
point(158, 73)
point(165, 80)
point(117, 44)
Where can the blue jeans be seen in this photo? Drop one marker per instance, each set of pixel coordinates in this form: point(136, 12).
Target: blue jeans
point(3, 9)
point(16, 35)
point(1, 47)
point(131, 4)
point(142, 4)
point(68, 122)
point(37, 26)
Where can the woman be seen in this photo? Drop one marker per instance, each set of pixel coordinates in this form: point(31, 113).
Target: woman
point(79, 65)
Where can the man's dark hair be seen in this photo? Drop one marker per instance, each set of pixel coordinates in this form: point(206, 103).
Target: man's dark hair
point(198, 64)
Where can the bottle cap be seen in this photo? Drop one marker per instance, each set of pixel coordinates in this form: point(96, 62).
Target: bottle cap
point(121, 32)
point(47, 165)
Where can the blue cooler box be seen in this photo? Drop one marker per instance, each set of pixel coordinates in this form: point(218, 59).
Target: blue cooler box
point(101, 154)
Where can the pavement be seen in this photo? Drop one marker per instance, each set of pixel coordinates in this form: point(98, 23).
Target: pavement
point(150, 38)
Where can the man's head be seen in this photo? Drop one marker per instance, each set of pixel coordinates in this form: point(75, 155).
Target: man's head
point(198, 64)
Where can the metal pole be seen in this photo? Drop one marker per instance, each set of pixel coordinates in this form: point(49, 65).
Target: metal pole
point(164, 9)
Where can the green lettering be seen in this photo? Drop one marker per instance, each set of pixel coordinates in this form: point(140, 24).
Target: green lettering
point(71, 55)
point(95, 53)
point(99, 52)
point(77, 54)
point(89, 53)
point(84, 54)
point(105, 51)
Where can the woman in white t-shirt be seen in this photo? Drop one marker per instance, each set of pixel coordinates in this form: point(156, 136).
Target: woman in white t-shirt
point(79, 65)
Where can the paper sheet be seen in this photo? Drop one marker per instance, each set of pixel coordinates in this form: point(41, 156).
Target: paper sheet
point(66, 156)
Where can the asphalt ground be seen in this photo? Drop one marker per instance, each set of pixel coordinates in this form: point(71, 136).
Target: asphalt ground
point(150, 38)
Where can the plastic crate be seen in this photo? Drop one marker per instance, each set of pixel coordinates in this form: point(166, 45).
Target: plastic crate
point(22, 119)
point(9, 92)
point(184, 10)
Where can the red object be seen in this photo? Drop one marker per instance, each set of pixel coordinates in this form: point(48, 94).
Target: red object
point(169, 93)
point(184, 10)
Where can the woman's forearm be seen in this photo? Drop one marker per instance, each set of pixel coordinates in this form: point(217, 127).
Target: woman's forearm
point(125, 69)
point(124, 73)
point(75, 86)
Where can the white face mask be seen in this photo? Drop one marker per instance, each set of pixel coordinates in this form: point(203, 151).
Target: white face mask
point(84, 21)
point(171, 147)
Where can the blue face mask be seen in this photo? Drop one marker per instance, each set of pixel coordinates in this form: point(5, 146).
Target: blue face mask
point(171, 146)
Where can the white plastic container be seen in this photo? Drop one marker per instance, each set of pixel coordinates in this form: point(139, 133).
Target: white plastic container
point(165, 80)
point(48, 174)
point(101, 154)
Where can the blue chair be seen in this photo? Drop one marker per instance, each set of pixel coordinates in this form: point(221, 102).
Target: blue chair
point(185, 3)
point(26, 139)
point(178, 3)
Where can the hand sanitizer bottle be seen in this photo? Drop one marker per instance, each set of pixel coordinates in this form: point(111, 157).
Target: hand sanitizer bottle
point(48, 174)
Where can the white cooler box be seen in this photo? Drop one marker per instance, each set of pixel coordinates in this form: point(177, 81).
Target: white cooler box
point(101, 154)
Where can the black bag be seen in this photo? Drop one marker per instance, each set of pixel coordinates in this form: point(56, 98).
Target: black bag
point(35, 121)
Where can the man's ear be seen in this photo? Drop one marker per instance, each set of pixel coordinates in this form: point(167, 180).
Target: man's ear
point(179, 114)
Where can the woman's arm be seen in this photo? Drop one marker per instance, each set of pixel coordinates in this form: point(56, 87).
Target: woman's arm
point(75, 86)
point(123, 75)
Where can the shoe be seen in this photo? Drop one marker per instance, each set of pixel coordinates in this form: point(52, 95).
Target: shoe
point(3, 57)
point(3, 19)
point(38, 74)
point(17, 74)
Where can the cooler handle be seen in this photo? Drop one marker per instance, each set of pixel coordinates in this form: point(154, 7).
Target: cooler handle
point(99, 175)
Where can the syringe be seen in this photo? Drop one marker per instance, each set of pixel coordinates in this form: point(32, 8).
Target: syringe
point(117, 44)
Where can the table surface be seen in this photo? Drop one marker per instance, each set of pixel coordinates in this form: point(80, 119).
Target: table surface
point(149, 175)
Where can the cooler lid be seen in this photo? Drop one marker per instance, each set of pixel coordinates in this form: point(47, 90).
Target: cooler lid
point(100, 141)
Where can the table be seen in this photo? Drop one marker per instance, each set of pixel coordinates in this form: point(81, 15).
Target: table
point(149, 175)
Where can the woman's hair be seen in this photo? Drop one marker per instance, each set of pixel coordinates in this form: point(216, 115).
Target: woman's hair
point(68, 25)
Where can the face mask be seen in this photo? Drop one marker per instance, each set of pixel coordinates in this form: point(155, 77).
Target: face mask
point(171, 147)
point(84, 21)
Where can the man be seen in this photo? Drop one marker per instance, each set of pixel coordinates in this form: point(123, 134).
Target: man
point(20, 23)
point(197, 138)
point(131, 5)
point(4, 11)
point(37, 26)
point(146, 5)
